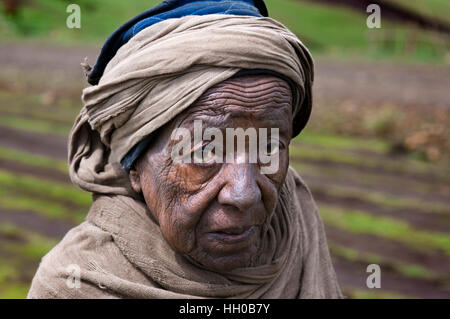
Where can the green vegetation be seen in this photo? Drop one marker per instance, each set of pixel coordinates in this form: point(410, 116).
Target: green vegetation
point(41, 113)
point(372, 294)
point(30, 244)
point(361, 223)
point(22, 250)
point(381, 198)
point(48, 19)
point(325, 29)
point(17, 203)
point(368, 161)
point(384, 182)
point(430, 8)
point(321, 26)
point(14, 291)
point(34, 125)
point(33, 106)
point(53, 200)
point(10, 286)
point(52, 190)
point(344, 143)
point(33, 160)
point(405, 269)
point(34, 246)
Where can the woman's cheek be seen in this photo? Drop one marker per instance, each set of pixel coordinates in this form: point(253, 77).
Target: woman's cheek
point(177, 219)
point(176, 232)
point(277, 178)
point(192, 177)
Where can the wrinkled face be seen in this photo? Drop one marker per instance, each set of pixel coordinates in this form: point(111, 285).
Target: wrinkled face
point(212, 211)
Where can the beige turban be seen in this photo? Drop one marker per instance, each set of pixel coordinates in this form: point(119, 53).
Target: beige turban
point(163, 70)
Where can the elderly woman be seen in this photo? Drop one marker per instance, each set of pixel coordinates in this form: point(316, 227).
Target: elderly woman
point(160, 227)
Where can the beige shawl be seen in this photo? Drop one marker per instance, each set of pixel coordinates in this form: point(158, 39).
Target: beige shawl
point(119, 251)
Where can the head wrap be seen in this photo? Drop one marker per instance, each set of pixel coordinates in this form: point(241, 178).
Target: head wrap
point(161, 70)
point(168, 10)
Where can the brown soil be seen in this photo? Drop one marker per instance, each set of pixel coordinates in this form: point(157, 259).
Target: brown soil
point(438, 262)
point(353, 274)
point(418, 219)
point(434, 194)
point(55, 228)
point(379, 169)
point(40, 144)
point(45, 173)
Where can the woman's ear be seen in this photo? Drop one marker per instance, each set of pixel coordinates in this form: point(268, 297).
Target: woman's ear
point(135, 180)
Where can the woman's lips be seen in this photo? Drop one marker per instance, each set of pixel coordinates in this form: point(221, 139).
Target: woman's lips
point(233, 235)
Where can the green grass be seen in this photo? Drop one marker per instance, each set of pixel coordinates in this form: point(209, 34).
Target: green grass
point(32, 245)
point(48, 19)
point(15, 82)
point(325, 29)
point(29, 111)
point(405, 269)
point(23, 250)
point(10, 285)
point(34, 125)
point(6, 271)
point(51, 115)
point(14, 291)
point(51, 190)
point(53, 200)
point(63, 106)
point(363, 179)
point(344, 143)
point(33, 160)
point(386, 164)
point(343, 32)
point(322, 26)
point(50, 209)
point(358, 222)
point(431, 8)
point(381, 198)
point(357, 293)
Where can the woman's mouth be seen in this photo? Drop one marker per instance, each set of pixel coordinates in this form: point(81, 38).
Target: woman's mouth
point(233, 235)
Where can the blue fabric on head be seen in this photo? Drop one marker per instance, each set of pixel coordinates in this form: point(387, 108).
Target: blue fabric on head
point(167, 10)
point(133, 154)
point(198, 7)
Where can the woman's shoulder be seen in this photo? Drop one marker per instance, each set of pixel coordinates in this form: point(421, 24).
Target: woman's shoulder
point(300, 185)
point(84, 248)
point(305, 200)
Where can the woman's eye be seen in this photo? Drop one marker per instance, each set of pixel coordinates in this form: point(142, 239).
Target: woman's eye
point(208, 155)
point(204, 155)
point(272, 148)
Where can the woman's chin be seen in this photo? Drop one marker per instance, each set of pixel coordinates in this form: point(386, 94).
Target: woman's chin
point(224, 257)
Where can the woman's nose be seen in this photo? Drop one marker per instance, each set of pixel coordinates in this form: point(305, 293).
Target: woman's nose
point(241, 188)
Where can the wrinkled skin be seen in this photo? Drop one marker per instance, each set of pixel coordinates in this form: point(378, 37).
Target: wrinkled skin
point(213, 213)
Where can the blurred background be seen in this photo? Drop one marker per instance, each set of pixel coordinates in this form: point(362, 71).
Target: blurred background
point(375, 153)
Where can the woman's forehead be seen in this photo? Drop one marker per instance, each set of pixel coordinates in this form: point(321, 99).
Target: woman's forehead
point(248, 86)
point(247, 96)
